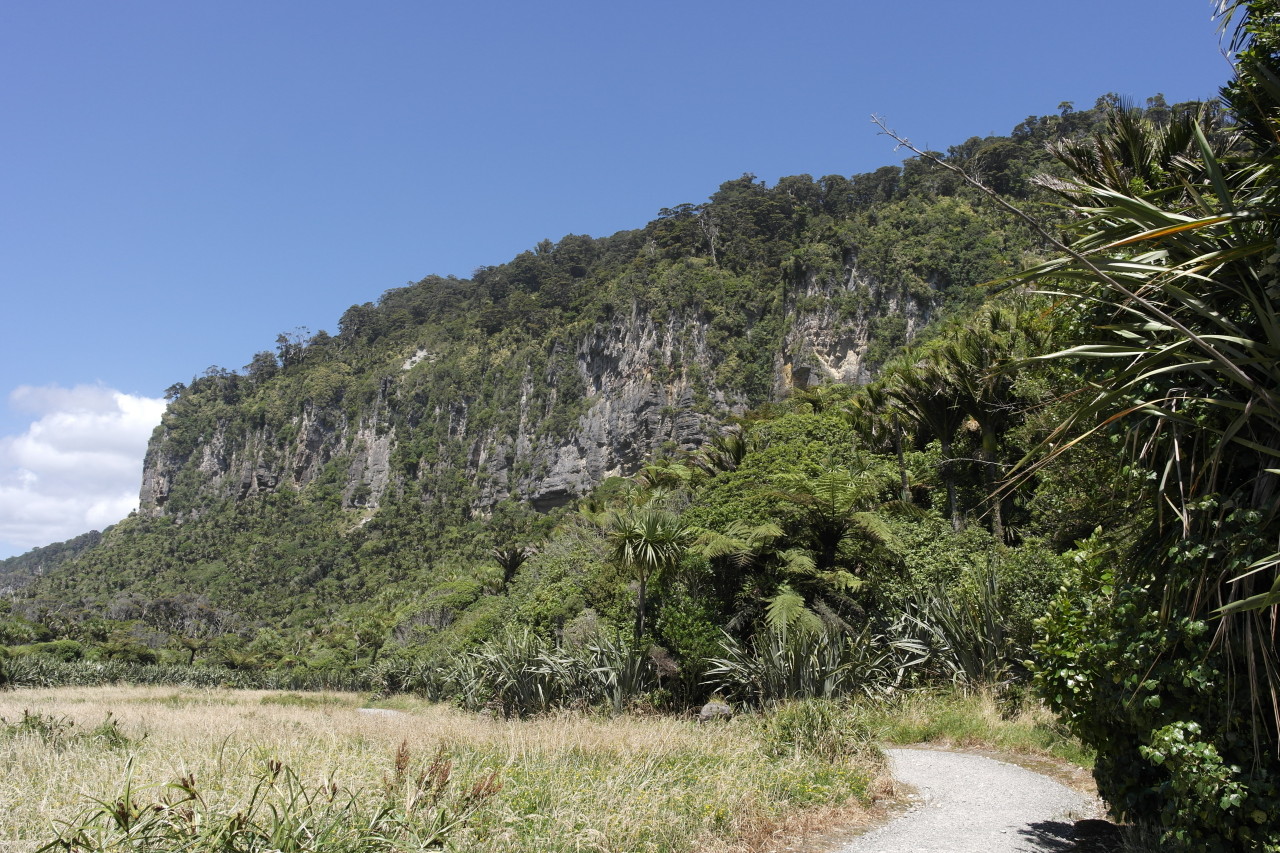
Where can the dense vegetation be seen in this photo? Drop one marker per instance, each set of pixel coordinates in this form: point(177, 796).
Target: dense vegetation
point(1162, 653)
point(1097, 442)
point(346, 578)
point(19, 571)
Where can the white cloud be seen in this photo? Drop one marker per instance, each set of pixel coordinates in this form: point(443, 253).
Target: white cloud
point(77, 467)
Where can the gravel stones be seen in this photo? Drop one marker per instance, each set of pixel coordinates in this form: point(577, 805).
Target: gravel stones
point(973, 804)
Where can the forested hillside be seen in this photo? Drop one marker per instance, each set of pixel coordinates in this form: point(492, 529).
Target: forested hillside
point(780, 445)
point(442, 421)
point(19, 571)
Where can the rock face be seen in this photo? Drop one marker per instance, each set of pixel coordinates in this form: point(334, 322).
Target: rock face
point(821, 345)
point(628, 388)
point(632, 413)
point(244, 464)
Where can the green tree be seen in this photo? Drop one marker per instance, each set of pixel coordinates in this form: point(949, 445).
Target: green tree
point(760, 565)
point(979, 361)
point(645, 540)
point(928, 395)
point(841, 507)
point(881, 422)
point(725, 451)
point(1176, 260)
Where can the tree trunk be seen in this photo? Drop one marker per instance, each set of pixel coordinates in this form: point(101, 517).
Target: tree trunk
point(640, 603)
point(902, 462)
point(957, 523)
point(989, 477)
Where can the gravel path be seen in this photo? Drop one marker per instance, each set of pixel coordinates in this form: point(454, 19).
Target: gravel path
point(971, 804)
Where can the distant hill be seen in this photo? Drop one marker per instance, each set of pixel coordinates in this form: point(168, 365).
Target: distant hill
point(16, 572)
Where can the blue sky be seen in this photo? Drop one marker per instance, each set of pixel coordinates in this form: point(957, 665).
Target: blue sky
point(182, 182)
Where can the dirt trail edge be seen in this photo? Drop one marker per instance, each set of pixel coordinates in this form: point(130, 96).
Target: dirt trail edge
point(972, 804)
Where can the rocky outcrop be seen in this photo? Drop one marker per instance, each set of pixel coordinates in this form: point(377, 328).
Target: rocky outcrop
point(828, 340)
point(244, 464)
point(643, 398)
point(636, 386)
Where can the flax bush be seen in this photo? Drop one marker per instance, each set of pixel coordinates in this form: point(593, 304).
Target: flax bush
point(799, 664)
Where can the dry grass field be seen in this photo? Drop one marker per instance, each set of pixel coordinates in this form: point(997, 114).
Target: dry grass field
point(314, 772)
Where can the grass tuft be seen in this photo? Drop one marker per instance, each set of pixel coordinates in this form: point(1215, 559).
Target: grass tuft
point(977, 719)
point(308, 700)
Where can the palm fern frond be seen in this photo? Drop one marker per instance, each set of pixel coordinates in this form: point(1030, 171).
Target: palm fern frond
point(787, 611)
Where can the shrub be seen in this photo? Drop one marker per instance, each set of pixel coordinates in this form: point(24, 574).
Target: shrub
point(63, 650)
point(967, 639)
point(47, 728)
point(107, 733)
point(39, 670)
point(1151, 694)
point(523, 673)
point(801, 664)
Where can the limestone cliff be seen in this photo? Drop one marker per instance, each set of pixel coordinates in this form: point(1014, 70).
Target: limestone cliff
point(475, 420)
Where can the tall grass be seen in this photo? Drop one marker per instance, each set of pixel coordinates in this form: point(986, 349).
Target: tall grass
point(413, 811)
point(45, 671)
point(975, 719)
point(569, 782)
